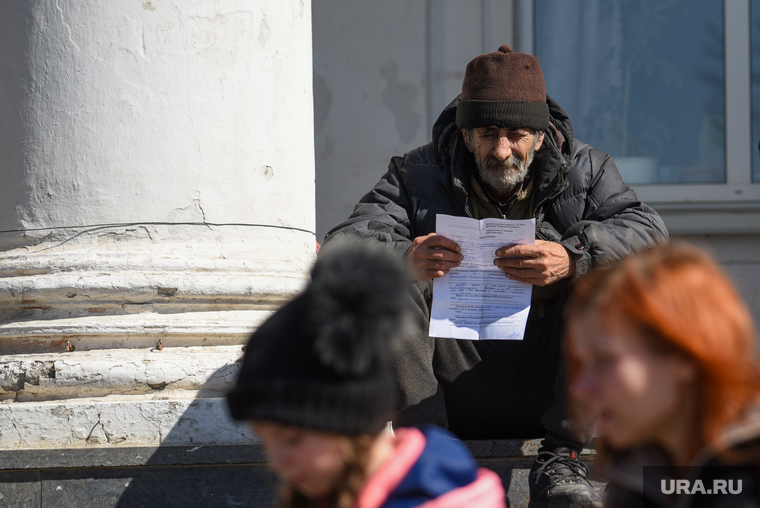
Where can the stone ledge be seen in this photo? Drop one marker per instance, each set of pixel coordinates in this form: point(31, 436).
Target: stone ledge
point(514, 448)
point(132, 456)
point(213, 486)
point(509, 450)
point(129, 332)
point(86, 374)
point(119, 423)
point(209, 476)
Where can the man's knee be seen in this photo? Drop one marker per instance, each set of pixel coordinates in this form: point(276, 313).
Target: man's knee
point(421, 299)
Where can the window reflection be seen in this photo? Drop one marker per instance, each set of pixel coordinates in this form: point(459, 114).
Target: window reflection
point(642, 80)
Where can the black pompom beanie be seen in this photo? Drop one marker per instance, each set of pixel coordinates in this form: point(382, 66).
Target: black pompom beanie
point(321, 361)
point(503, 88)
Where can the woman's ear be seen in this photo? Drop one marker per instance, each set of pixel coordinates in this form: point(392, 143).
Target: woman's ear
point(467, 141)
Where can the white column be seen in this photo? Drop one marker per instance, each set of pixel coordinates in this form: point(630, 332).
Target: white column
point(157, 166)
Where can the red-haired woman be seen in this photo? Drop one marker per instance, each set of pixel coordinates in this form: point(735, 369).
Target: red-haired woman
point(663, 348)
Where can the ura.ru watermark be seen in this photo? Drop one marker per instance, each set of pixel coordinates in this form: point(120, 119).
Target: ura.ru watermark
point(717, 486)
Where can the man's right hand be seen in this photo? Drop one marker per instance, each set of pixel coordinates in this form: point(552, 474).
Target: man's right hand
point(432, 256)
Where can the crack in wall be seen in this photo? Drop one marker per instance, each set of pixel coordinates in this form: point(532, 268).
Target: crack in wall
point(89, 436)
point(68, 28)
point(203, 212)
point(26, 443)
point(147, 231)
point(149, 418)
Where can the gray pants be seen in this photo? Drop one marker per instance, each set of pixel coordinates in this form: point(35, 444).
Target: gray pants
point(491, 389)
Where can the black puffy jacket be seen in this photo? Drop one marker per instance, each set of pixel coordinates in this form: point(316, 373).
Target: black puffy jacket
point(580, 199)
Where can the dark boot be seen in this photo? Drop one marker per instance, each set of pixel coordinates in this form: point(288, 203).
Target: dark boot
point(558, 479)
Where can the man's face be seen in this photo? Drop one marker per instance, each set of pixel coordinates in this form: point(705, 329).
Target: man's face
point(502, 155)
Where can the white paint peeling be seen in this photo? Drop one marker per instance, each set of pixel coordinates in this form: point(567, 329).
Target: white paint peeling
point(101, 373)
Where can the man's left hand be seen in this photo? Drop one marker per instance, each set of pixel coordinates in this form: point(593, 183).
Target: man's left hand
point(540, 264)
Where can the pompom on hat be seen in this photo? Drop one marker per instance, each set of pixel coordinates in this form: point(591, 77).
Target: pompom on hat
point(503, 88)
point(322, 360)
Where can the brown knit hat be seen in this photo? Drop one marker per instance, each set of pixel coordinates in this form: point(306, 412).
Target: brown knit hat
point(505, 89)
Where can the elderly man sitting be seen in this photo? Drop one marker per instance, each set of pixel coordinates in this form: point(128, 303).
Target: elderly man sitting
point(505, 149)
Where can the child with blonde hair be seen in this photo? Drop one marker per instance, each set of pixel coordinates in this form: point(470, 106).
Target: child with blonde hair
point(318, 389)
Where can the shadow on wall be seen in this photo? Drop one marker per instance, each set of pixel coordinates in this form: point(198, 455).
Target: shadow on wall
point(399, 97)
point(190, 469)
point(205, 459)
point(219, 466)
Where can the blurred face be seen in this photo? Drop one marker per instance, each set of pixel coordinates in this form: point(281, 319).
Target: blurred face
point(639, 394)
point(503, 156)
point(310, 461)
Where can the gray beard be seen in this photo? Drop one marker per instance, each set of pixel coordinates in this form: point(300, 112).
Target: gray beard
point(504, 176)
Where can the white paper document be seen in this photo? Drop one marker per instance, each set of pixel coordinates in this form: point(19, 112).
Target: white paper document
point(476, 300)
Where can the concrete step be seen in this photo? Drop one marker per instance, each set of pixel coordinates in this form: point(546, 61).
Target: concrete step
point(183, 476)
point(125, 421)
point(128, 331)
point(116, 372)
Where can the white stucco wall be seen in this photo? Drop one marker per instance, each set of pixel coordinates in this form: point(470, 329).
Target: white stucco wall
point(739, 255)
point(158, 184)
point(155, 111)
point(382, 73)
point(369, 96)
